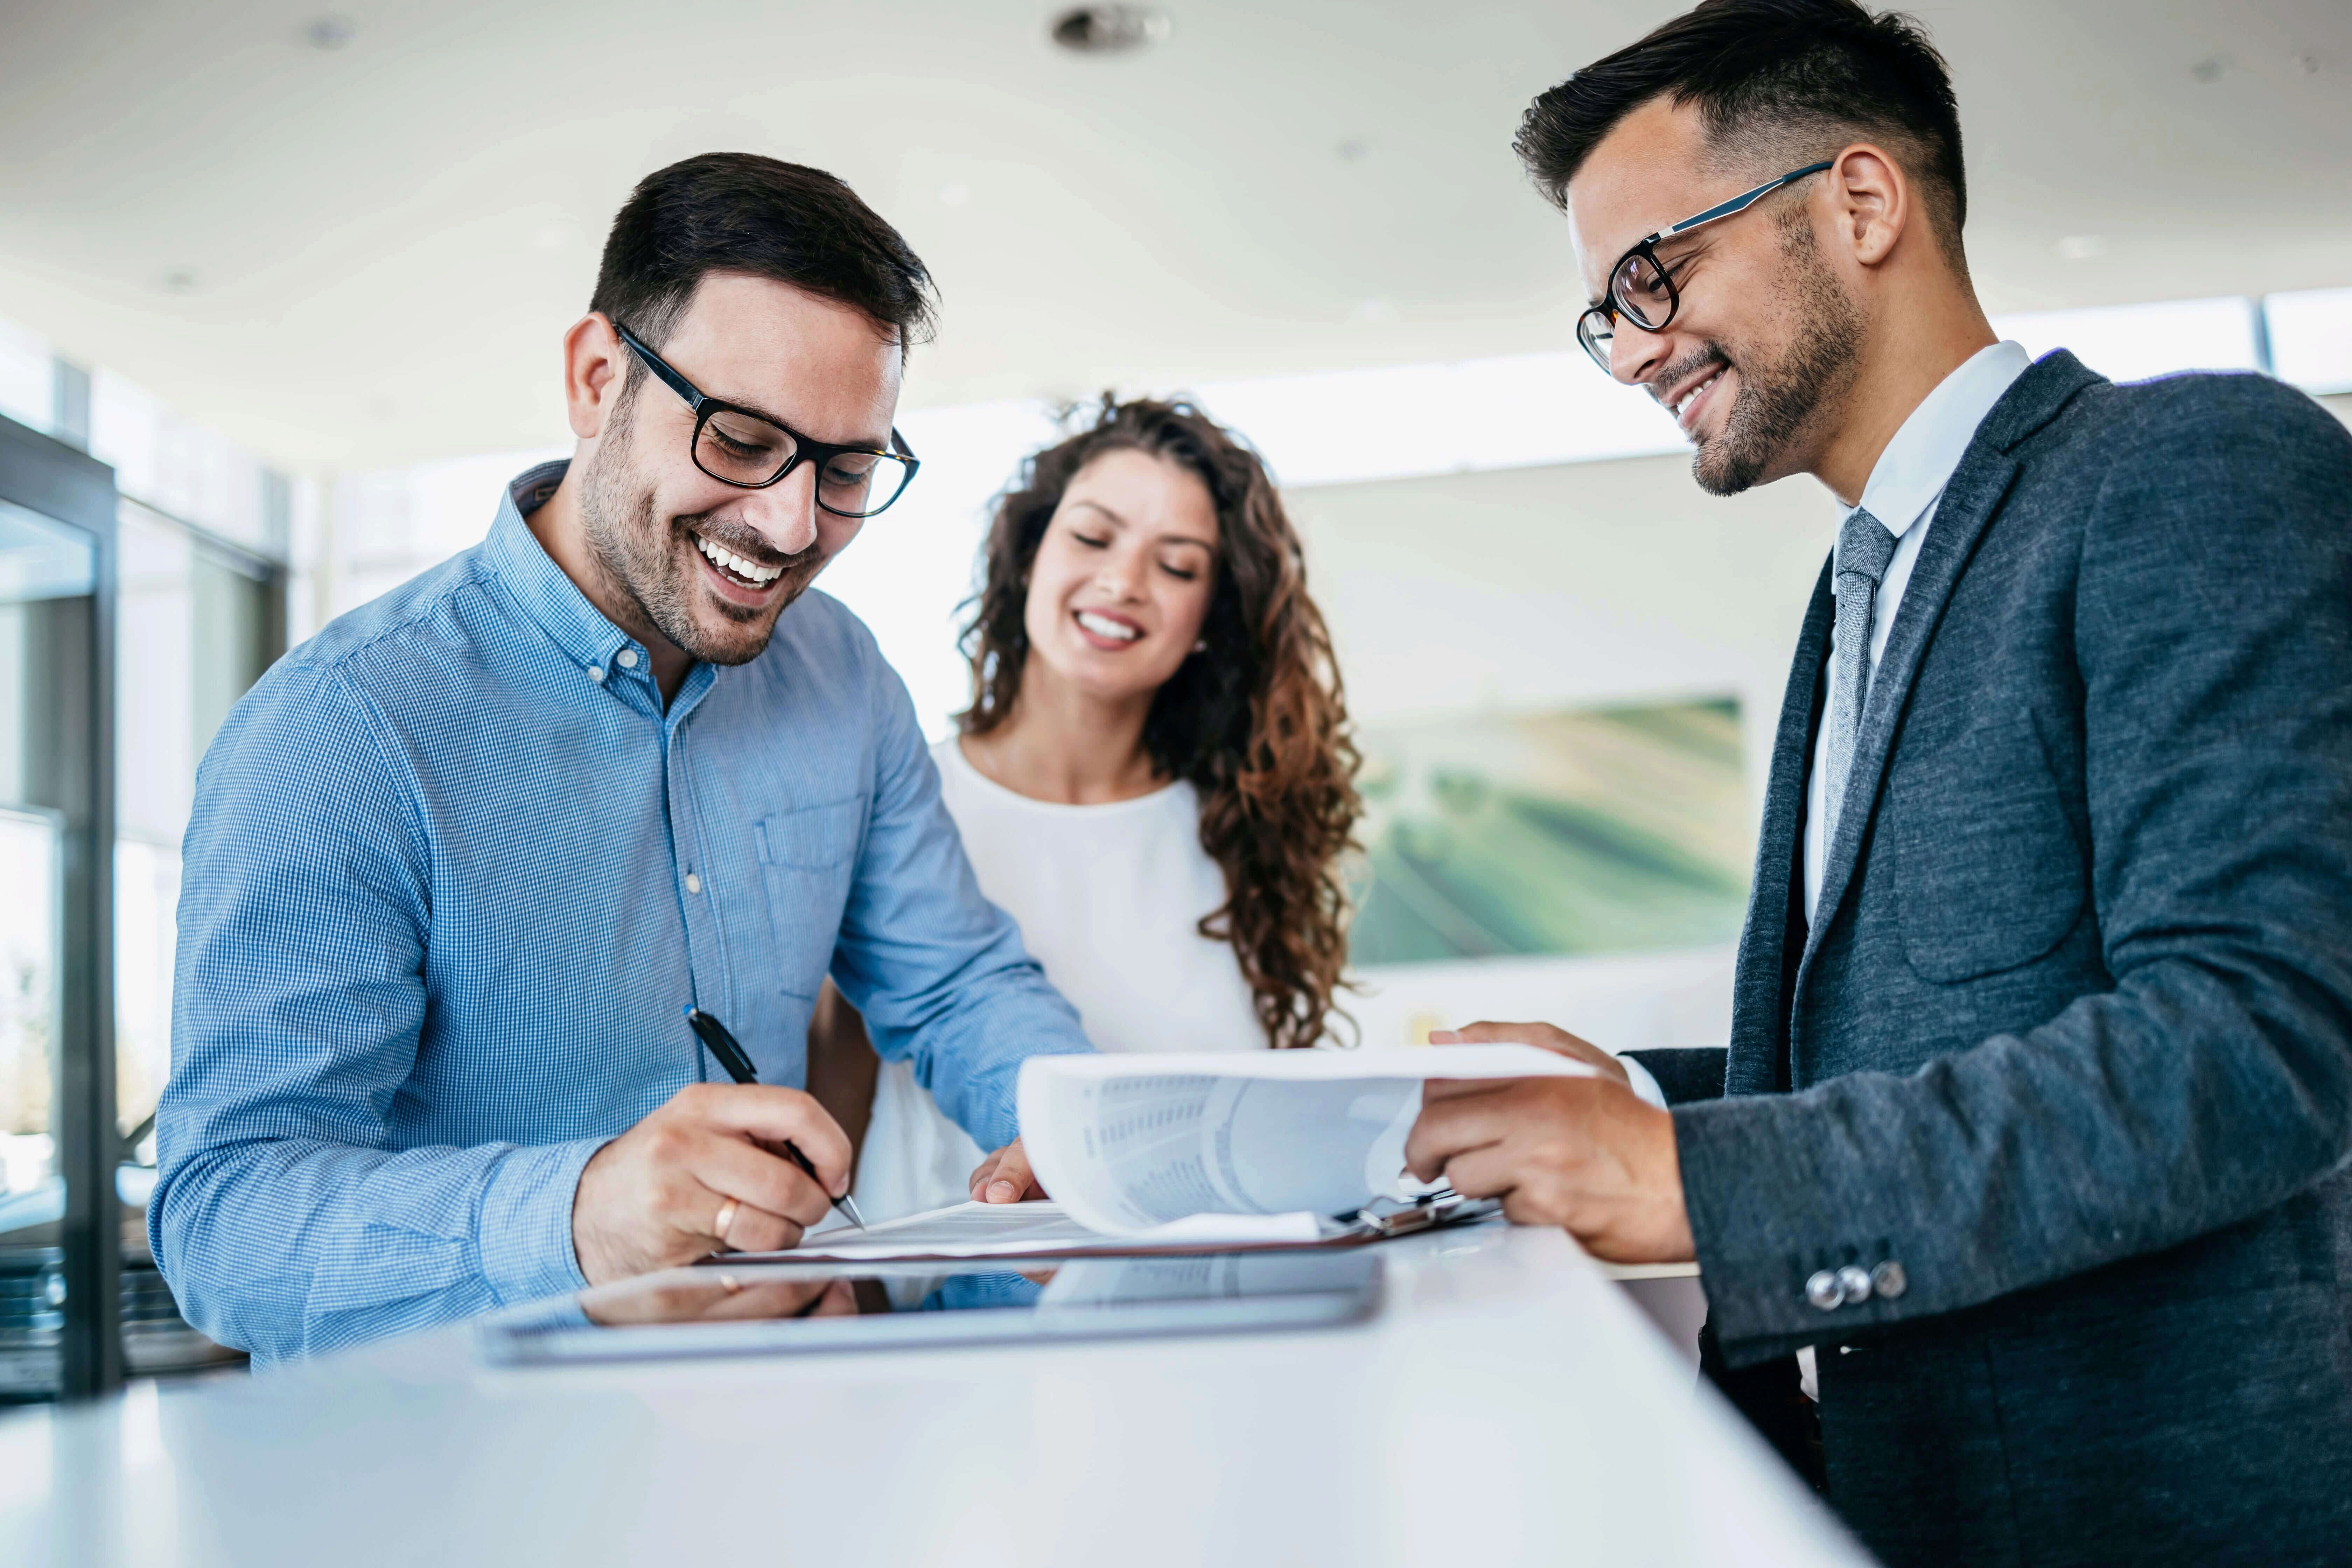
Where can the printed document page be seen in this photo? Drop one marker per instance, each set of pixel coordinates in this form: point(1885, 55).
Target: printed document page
point(1130, 1145)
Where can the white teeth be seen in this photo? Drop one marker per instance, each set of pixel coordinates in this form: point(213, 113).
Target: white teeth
point(1103, 627)
point(1682, 405)
point(749, 569)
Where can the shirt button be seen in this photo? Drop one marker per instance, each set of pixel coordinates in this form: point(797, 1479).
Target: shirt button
point(693, 883)
point(627, 658)
point(1824, 1291)
point(1888, 1279)
point(1854, 1284)
point(597, 673)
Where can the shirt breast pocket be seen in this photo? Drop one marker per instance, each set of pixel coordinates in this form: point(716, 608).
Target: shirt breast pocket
point(808, 858)
point(1989, 868)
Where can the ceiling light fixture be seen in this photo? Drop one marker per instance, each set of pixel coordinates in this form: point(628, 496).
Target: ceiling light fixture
point(1110, 29)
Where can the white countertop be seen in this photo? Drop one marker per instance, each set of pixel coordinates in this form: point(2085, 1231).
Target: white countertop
point(1508, 1406)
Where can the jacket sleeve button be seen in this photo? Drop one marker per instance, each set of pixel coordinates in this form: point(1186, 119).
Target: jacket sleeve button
point(1888, 1279)
point(1854, 1284)
point(1824, 1291)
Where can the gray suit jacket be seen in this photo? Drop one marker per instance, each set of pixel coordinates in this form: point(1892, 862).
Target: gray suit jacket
point(2069, 1039)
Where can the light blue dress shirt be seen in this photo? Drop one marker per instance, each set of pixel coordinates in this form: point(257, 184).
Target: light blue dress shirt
point(452, 876)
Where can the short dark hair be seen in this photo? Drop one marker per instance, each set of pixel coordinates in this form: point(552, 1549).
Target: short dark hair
point(1785, 78)
point(738, 211)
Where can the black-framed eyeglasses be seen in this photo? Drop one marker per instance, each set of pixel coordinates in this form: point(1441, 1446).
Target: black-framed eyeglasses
point(751, 451)
point(1641, 288)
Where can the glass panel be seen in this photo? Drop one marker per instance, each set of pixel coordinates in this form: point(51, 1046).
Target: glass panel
point(198, 628)
point(48, 575)
point(196, 633)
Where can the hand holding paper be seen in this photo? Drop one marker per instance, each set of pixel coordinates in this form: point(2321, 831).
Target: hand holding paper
point(1129, 1143)
point(1582, 1154)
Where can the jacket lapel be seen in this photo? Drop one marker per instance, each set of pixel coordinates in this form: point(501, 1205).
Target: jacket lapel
point(1968, 504)
point(1759, 1004)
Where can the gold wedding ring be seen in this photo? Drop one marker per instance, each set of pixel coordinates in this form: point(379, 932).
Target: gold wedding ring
point(726, 1217)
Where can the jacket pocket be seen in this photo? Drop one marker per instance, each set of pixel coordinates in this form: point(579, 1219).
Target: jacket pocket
point(1988, 867)
point(808, 858)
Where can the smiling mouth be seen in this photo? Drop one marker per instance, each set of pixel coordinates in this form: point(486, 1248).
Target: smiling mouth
point(1687, 403)
point(735, 568)
point(1107, 630)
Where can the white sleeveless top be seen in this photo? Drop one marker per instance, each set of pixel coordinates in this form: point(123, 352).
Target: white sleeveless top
point(1108, 899)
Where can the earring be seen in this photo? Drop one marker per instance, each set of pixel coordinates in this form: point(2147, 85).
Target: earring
point(1200, 647)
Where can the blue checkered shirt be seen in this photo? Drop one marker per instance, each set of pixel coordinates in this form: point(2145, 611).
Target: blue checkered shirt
point(453, 875)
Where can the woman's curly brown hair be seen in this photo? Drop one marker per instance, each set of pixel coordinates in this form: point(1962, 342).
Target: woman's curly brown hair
point(1257, 722)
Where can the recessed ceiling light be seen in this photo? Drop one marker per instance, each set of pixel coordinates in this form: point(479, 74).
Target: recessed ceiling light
point(1110, 29)
point(330, 32)
point(2082, 247)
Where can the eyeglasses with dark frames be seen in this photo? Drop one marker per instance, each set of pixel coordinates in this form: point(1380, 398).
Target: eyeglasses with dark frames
point(751, 451)
point(1641, 288)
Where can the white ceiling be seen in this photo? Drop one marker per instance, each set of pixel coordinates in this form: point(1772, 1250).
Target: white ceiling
point(366, 255)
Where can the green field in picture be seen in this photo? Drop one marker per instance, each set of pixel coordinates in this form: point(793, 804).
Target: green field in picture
point(1576, 831)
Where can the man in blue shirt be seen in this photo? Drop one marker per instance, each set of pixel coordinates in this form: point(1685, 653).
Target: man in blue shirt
point(459, 864)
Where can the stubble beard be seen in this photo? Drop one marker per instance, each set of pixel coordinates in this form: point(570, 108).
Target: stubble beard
point(648, 563)
point(1780, 399)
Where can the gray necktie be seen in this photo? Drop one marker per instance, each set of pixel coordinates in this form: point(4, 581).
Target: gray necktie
point(1864, 549)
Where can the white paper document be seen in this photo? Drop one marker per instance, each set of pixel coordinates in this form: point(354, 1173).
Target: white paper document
point(1132, 1145)
point(1208, 1149)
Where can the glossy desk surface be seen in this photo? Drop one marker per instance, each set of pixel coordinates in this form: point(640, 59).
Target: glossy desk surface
point(1508, 1406)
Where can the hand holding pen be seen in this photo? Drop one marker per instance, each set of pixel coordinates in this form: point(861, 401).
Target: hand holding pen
point(706, 1172)
point(731, 1055)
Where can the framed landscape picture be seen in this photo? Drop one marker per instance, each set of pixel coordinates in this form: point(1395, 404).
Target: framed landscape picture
point(1579, 831)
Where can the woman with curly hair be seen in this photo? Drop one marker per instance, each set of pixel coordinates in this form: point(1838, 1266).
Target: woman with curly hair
point(1155, 776)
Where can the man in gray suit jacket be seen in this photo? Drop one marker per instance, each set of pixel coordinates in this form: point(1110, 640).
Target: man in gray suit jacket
point(2034, 1124)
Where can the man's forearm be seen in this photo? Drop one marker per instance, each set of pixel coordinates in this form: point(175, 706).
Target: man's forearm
point(287, 1247)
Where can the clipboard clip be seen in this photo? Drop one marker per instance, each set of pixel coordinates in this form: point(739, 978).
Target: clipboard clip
point(1385, 1218)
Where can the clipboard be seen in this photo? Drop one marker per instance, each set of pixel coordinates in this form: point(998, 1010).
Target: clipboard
point(1380, 1220)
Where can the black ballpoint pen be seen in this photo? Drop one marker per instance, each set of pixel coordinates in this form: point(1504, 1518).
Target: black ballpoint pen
point(713, 1033)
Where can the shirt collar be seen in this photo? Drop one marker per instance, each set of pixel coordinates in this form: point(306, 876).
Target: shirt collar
point(546, 593)
point(1919, 462)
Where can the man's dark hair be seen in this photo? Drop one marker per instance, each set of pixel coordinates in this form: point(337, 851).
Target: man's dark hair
point(1791, 81)
point(738, 211)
